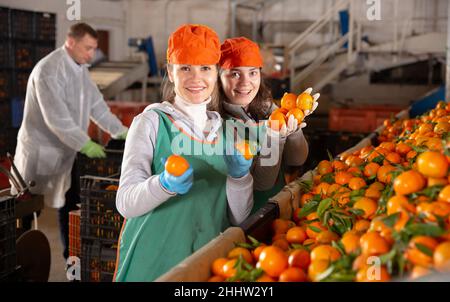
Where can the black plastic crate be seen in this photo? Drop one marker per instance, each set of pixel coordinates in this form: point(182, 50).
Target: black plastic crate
point(259, 225)
point(344, 140)
point(338, 142)
point(107, 167)
point(100, 219)
point(6, 58)
point(7, 237)
point(23, 54)
point(5, 114)
point(7, 207)
point(5, 22)
point(45, 26)
point(41, 50)
point(5, 84)
point(22, 24)
point(20, 80)
point(116, 144)
point(98, 261)
point(8, 141)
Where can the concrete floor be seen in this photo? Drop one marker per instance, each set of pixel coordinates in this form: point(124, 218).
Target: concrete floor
point(48, 224)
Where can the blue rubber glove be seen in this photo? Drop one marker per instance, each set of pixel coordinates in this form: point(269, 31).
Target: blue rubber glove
point(237, 165)
point(177, 184)
point(93, 150)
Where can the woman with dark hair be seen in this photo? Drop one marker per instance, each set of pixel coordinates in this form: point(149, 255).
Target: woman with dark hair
point(168, 217)
point(247, 102)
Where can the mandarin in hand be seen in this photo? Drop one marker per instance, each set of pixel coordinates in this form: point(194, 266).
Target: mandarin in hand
point(305, 101)
point(288, 101)
point(176, 165)
point(297, 113)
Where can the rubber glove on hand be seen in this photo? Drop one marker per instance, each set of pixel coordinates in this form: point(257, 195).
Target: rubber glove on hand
point(93, 150)
point(176, 184)
point(315, 104)
point(237, 165)
point(287, 129)
point(123, 135)
point(293, 125)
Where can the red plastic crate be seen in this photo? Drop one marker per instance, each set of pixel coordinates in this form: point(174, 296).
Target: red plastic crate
point(360, 119)
point(4, 181)
point(74, 233)
point(125, 111)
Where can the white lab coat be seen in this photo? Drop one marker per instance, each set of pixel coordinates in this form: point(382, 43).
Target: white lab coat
point(60, 100)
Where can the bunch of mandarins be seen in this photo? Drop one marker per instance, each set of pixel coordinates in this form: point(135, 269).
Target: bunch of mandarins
point(375, 214)
point(291, 104)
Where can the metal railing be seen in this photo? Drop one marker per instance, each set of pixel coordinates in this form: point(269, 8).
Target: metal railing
point(296, 76)
point(300, 68)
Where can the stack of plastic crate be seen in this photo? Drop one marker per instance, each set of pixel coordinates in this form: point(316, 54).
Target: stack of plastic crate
point(108, 166)
point(25, 38)
point(100, 228)
point(7, 237)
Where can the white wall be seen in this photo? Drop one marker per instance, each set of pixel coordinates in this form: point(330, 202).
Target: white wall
point(410, 16)
point(102, 15)
point(160, 18)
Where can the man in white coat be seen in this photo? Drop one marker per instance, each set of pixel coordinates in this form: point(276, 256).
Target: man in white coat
point(60, 100)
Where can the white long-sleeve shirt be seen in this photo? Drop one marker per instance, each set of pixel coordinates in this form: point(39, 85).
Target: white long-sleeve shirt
point(140, 191)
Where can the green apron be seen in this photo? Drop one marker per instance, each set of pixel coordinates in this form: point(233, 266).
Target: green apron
point(153, 243)
point(253, 132)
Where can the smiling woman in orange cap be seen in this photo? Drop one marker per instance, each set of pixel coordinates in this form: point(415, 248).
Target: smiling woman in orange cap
point(245, 99)
point(169, 216)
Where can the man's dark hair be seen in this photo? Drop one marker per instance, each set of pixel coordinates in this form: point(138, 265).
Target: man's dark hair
point(79, 30)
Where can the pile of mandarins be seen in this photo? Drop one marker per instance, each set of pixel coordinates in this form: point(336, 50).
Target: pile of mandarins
point(376, 214)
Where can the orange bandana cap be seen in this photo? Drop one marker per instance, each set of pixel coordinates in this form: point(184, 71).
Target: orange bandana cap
point(240, 52)
point(193, 44)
